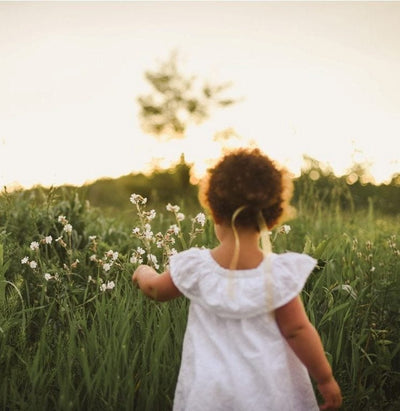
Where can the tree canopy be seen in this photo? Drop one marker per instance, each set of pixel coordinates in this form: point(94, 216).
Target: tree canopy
point(178, 100)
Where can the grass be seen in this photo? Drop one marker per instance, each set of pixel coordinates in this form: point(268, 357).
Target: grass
point(67, 345)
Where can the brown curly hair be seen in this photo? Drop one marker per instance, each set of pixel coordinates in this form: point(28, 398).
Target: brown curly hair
point(249, 179)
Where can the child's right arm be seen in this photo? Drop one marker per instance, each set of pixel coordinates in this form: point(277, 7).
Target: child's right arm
point(306, 343)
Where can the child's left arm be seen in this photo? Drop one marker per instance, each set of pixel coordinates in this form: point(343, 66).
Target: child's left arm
point(159, 287)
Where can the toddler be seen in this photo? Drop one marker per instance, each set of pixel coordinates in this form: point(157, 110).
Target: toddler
point(249, 344)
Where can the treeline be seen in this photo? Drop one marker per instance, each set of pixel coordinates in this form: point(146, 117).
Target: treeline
point(315, 185)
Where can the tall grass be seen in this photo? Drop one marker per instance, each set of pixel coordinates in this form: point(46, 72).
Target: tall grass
point(66, 344)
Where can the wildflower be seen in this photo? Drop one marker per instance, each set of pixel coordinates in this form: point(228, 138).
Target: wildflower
point(173, 251)
point(135, 259)
point(68, 228)
point(201, 219)
point(25, 260)
point(285, 229)
point(48, 239)
point(90, 278)
point(62, 220)
point(136, 230)
point(106, 267)
point(137, 199)
point(33, 264)
point(175, 229)
point(173, 208)
point(34, 245)
point(110, 285)
point(153, 259)
point(92, 237)
point(180, 217)
point(75, 263)
point(115, 255)
point(372, 269)
point(151, 215)
point(48, 276)
point(93, 257)
point(140, 250)
point(148, 234)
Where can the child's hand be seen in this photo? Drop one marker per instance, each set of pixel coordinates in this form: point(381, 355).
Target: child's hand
point(330, 391)
point(137, 273)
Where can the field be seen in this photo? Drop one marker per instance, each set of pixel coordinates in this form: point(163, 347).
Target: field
point(75, 334)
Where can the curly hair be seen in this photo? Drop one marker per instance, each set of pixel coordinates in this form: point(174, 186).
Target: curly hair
point(247, 179)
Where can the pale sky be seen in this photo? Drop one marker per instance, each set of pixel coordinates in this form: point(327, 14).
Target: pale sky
point(317, 78)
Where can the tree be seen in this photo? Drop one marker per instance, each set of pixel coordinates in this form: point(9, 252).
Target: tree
point(177, 100)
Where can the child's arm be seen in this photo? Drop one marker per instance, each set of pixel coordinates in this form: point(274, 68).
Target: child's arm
point(159, 287)
point(306, 343)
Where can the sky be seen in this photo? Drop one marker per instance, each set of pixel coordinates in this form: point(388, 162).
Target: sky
point(315, 78)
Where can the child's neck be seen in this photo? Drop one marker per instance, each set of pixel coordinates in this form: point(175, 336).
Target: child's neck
point(250, 254)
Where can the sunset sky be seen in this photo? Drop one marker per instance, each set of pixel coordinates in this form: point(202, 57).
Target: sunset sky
point(317, 78)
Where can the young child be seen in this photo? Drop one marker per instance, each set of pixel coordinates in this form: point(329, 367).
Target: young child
point(249, 345)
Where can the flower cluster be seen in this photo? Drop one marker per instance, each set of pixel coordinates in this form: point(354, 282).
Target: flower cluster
point(64, 268)
point(109, 259)
point(157, 248)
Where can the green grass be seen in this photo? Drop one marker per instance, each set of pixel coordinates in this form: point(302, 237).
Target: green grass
point(66, 345)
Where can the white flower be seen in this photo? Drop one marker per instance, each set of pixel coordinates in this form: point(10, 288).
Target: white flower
point(109, 253)
point(90, 278)
point(93, 257)
point(137, 199)
point(140, 250)
point(62, 219)
point(68, 228)
point(115, 255)
point(103, 288)
point(153, 259)
point(48, 276)
point(48, 239)
point(285, 229)
point(33, 264)
point(201, 219)
point(58, 239)
point(173, 251)
point(92, 237)
point(34, 245)
point(133, 259)
point(148, 234)
point(180, 217)
point(173, 208)
point(175, 229)
point(372, 269)
point(106, 267)
point(136, 230)
point(152, 215)
point(110, 285)
point(25, 260)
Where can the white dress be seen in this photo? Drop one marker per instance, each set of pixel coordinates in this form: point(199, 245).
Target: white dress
point(234, 358)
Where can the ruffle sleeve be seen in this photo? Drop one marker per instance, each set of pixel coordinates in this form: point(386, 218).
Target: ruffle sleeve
point(290, 272)
point(242, 293)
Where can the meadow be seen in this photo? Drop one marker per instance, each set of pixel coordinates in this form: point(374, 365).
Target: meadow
point(76, 335)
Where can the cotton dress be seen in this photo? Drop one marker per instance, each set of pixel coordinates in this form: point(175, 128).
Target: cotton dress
point(234, 357)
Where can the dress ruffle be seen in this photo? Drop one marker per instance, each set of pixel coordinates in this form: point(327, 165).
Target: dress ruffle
point(240, 293)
